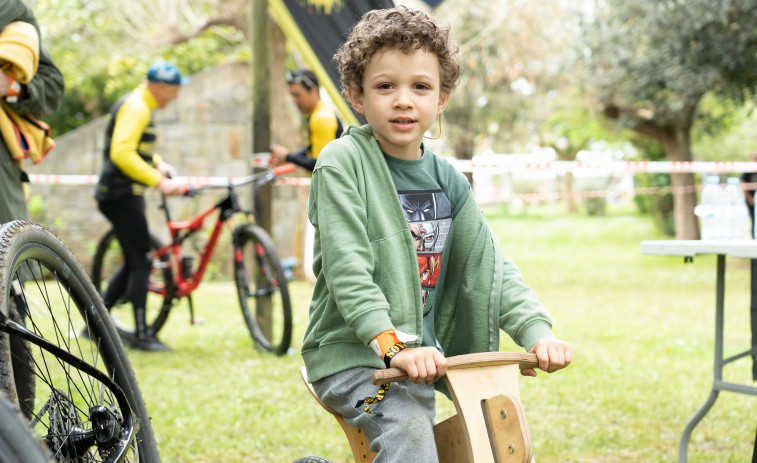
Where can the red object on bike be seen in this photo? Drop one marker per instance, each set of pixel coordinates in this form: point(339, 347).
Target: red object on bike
point(285, 169)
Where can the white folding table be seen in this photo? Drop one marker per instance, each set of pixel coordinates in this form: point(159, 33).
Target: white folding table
point(689, 249)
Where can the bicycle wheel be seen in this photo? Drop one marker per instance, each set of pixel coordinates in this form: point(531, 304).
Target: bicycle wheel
point(262, 289)
point(312, 460)
point(86, 404)
point(109, 258)
point(18, 442)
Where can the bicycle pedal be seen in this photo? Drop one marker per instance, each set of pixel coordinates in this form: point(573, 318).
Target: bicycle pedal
point(198, 321)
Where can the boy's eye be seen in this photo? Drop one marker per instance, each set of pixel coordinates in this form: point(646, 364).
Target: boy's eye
point(422, 87)
point(384, 86)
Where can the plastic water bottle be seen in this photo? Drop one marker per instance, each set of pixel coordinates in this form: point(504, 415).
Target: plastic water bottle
point(710, 211)
point(737, 215)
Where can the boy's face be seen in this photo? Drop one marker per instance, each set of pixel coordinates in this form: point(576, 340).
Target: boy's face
point(401, 99)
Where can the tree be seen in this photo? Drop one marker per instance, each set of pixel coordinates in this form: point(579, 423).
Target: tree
point(571, 126)
point(104, 49)
point(653, 61)
point(509, 53)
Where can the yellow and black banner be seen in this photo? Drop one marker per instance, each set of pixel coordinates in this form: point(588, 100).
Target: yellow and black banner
point(317, 28)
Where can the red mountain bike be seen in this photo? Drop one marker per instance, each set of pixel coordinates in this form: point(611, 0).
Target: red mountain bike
point(260, 279)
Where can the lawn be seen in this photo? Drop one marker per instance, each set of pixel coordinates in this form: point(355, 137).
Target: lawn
point(642, 329)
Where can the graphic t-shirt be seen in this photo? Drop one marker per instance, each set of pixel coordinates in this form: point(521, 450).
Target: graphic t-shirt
point(429, 203)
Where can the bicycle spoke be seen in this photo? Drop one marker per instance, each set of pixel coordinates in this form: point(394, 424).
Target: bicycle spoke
point(77, 383)
point(66, 387)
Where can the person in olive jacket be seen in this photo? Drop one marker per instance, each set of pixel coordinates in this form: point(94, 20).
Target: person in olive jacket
point(41, 96)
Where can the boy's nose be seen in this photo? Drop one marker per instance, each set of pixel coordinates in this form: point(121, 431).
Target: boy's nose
point(403, 98)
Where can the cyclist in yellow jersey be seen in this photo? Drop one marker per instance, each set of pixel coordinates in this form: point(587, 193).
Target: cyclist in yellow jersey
point(323, 125)
point(129, 168)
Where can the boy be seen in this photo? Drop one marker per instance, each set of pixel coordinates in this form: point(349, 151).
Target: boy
point(407, 269)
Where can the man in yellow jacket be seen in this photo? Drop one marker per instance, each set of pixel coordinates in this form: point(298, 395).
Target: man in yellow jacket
point(130, 167)
point(40, 95)
point(323, 125)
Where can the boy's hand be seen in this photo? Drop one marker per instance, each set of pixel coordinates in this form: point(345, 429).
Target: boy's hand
point(422, 364)
point(552, 355)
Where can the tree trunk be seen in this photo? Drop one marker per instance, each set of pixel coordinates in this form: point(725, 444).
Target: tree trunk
point(570, 201)
point(678, 148)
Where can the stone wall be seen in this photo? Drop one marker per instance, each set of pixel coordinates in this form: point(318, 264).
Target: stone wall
point(205, 132)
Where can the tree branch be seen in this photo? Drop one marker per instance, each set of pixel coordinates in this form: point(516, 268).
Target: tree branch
point(177, 37)
point(640, 121)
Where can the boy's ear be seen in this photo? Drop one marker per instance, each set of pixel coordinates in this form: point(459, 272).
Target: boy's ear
point(443, 100)
point(356, 99)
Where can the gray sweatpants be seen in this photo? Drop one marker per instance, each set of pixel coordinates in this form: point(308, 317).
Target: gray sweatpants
point(404, 432)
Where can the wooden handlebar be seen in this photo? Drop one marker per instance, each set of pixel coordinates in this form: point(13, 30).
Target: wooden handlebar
point(523, 360)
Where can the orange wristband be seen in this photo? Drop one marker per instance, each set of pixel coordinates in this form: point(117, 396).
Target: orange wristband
point(383, 342)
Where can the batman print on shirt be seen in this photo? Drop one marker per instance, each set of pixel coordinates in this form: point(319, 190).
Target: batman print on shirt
point(429, 216)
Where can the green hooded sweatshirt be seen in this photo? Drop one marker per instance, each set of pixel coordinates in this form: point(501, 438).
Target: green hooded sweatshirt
point(367, 270)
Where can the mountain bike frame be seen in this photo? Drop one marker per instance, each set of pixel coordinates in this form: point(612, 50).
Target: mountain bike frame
point(187, 280)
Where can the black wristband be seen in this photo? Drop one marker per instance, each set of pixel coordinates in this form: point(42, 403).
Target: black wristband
point(394, 350)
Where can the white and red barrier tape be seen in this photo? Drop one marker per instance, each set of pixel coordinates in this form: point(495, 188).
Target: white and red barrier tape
point(503, 164)
point(493, 166)
point(52, 179)
point(498, 166)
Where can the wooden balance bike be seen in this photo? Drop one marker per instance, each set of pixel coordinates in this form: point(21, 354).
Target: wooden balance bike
point(490, 425)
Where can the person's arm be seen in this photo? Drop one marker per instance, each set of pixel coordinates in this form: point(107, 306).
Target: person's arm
point(528, 322)
point(339, 214)
point(301, 159)
point(43, 94)
point(131, 121)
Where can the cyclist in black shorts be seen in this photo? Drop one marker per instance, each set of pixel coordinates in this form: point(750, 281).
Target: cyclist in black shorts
point(323, 125)
point(129, 168)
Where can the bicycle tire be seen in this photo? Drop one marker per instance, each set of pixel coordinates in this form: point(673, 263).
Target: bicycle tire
point(258, 257)
point(109, 258)
point(59, 300)
point(18, 442)
point(312, 459)
point(23, 395)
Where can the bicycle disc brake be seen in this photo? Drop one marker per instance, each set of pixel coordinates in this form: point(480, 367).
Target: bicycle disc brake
point(66, 435)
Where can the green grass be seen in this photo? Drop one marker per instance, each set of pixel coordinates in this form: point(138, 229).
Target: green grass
point(642, 329)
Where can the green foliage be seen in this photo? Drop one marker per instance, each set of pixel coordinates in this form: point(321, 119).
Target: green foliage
point(658, 205)
point(36, 206)
point(571, 124)
point(662, 57)
point(94, 48)
point(734, 140)
point(503, 88)
point(595, 206)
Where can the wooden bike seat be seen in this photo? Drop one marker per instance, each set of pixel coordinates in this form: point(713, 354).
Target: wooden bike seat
point(490, 421)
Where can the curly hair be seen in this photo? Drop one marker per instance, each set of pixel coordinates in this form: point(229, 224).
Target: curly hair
point(399, 28)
